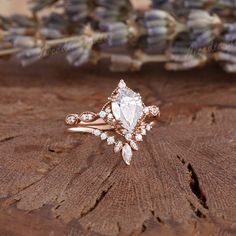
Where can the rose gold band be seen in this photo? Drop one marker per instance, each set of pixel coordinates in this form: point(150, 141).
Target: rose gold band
point(90, 126)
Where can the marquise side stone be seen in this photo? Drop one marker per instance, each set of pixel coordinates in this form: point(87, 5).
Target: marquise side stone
point(127, 153)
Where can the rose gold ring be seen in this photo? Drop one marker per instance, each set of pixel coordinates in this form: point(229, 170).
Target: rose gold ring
point(124, 113)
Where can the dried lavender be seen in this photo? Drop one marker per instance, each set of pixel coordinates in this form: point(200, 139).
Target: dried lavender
point(203, 27)
point(112, 10)
point(180, 34)
point(41, 4)
point(160, 27)
point(53, 26)
point(226, 53)
point(118, 33)
point(77, 10)
point(182, 56)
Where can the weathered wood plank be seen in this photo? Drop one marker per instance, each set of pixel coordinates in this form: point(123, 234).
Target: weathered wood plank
point(181, 182)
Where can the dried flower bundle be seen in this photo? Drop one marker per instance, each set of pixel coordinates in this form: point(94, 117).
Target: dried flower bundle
point(180, 34)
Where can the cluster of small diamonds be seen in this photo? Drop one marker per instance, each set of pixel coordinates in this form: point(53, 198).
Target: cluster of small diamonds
point(153, 110)
point(118, 144)
point(87, 117)
point(138, 135)
point(107, 115)
point(72, 119)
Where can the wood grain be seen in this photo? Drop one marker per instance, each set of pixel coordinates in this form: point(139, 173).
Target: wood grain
point(181, 182)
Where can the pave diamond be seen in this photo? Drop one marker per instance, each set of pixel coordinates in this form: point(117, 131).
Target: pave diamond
point(139, 137)
point(146, 110)
point(102, 114)
point(143, 131)
point(86, 117)
point(110, 116)
point(110, 140)
point(128, 136)
point(97, 132)
point(155, 110)
point(118, 146)
point(127, 108)
point(148, 127)
point(71, 119)
point(103, 136)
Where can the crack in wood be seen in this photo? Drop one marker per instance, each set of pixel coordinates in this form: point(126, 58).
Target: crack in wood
point(159, 220)
point(194, 117)
point(195, 187)
point(157, 217)
point(28, 186)
point(75, 176)
point(118, 227)
point(90, 160)
point(144, 227)
point(98, 200)
point(196, 190)
point(112, 171)
point(213, 118)
point(196, 211)
point(103, 194)
point(8, 138)
point(154, 218)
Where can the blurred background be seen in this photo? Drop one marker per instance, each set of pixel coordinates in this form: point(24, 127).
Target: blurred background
point(10, 6)
point(179, 35)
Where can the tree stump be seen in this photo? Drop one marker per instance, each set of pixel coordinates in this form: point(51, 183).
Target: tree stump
point(181, 182)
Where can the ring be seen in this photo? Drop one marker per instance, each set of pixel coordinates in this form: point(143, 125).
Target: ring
point(124, 113)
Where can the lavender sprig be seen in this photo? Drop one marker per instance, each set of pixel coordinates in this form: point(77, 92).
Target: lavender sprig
point(176, 33)
point(41, 4)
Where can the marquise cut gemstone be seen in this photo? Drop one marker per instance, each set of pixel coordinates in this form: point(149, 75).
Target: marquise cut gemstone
point(127, 153)
point(127, 108)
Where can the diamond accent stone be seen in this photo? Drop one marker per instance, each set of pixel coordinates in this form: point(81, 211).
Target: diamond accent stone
point(103, 136)
point(128, 136)
point(86, 117)
point(139, 137)
point(110, 116)
point(127, 107)
point(102, 114)
point(155, 110)
point(148, 127)
point(127, 153)
point(146, 110)
point(143, 131)
point(122, 84)
point(97, 132)
point(108, 110)
point(134, 145)
point(118, 146)
point(110, 140)
point(71, 119)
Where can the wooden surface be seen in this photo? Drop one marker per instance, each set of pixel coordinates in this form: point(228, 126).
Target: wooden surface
point(181, 182)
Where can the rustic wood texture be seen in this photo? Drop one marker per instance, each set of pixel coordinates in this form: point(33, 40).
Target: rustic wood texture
point(181, 182)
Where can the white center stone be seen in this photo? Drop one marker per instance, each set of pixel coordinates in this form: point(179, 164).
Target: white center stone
point(127, 108)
